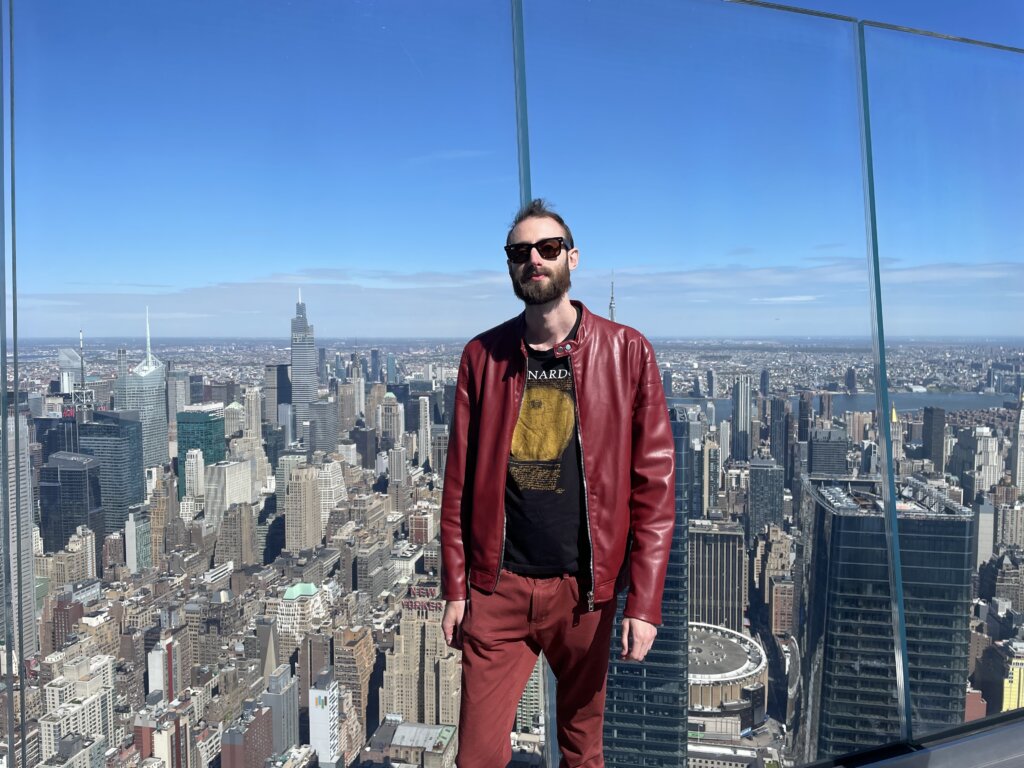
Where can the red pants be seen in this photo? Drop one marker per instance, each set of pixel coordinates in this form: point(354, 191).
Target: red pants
point(502, 634)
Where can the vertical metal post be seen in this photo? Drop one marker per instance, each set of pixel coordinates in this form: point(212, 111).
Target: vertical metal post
point(551, 753)
point(522, 123)
point(5, 458)
point(892, 533)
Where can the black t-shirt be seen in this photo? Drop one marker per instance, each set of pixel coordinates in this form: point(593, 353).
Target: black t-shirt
point(544, 532)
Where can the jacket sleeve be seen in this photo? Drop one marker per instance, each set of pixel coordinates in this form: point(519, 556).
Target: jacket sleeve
point(456, 497)
point(652, 495)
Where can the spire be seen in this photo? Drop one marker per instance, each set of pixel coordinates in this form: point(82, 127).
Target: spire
point(611, 304)
point(300, 295)
point(149, 347)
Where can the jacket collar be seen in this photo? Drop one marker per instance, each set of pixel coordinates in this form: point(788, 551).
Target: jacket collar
point(560, 349)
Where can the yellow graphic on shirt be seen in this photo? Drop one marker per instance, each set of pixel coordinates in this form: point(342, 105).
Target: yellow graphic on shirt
point(545, 426)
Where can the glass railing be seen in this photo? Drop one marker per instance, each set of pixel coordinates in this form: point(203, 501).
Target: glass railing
point(812, 217)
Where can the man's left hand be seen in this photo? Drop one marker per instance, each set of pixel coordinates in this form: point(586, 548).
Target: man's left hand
point(637, 638)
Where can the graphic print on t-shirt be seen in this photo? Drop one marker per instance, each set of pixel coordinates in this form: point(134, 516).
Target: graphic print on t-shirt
point(547, 420)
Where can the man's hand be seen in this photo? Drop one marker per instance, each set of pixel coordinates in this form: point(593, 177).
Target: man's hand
point(451, 622)
point(637, 638)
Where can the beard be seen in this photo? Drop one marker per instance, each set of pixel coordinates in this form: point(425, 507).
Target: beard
point(552, 289)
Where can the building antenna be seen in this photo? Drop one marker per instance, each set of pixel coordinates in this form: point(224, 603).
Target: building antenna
point(81, 355)
point(611, 304)
point(149, 348)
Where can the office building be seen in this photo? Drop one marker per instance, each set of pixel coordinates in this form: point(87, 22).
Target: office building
point(144, 389)
point(323, 426)
point(392, 419)
point(21, 506)
point(249, 741)
point(765, 382)
point(767, 482)
point(805, 417)
point(422, 674)
point(69, 496)
point(742, 442)
point(226, 483)
point(717, 574)
point(115, 439)
point(423, 433)
point(236, 538)
point(138, 543)
point(646, 714)
point(277, 390)
point(302, 521)
point(303, 368)
point(934, 437)
point(79, 700)
point(234, 419)
point(847, 642)
point(1017, 451)
point(778, 429)
point(202, 427)
point(324, 710)
point(282, 696)
point(826, 452)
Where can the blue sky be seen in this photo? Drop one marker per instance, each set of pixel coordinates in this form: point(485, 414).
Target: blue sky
point(208, 160)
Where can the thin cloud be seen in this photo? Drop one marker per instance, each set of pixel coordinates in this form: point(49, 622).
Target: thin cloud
point(801, 299)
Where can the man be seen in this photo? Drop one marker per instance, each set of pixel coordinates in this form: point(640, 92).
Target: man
point(560, 462)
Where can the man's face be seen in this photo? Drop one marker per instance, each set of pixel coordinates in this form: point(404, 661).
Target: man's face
point(538, 281)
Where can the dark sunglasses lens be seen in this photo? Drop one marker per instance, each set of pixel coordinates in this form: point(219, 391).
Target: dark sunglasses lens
point(549, 249)
point(519, 253)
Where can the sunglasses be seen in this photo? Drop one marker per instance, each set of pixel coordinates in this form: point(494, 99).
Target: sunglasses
point(548, 248)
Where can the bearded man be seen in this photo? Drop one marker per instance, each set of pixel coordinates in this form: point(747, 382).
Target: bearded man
point(558, 487)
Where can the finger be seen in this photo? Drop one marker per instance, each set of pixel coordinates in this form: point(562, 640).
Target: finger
point(625, 640)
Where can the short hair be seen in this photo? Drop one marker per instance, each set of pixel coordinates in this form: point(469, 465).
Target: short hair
point(538, 208)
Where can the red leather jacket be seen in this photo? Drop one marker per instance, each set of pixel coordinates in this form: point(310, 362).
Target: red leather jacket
point(627, 454)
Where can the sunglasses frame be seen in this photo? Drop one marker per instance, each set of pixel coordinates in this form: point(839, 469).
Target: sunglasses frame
point(521, 248)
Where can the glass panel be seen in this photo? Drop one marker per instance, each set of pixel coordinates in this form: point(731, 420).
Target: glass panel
point(946, 128)
point(186, 171)
point(708, 157)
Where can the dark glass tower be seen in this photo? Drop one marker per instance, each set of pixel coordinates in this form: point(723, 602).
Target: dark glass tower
point(848, 647)
point(199, 427)
point(115, 438)
point(69, 496)
point(934, 437)
point(767, 480)
point(645, 715)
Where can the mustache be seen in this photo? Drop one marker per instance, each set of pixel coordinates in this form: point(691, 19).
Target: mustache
point(531, 271)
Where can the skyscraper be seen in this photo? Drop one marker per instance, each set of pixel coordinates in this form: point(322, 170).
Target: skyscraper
point(767, 480)
point(826, 452)
point(778, 429)
point(144, 389)
point(765, 382)
point(741, 438)
point(177, 394)
point(20, 506)
point(645, 714)
point(202, 427)
point(303, 356)
point(423, 434)
point(934, 437)
point(282, 696)
point(805, 420)
point(717, 574)
point(69, 496)
point(115, 438)
point(848, 644)
point(1017, 454)
point(302, 528)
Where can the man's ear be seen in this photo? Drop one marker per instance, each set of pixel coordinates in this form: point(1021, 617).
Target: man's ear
point(574, 258)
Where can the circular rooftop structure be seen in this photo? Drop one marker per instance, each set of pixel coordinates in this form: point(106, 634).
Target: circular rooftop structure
point(722, 663)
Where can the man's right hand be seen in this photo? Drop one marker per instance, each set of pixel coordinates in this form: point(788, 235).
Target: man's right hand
point(451, 622)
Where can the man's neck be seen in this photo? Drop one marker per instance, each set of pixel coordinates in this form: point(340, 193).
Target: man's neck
point(548, 324)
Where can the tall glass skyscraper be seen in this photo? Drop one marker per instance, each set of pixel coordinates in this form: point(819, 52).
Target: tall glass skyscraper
point(144, 389)
point(303, 368)
point(202, 427)
point(741, 440)
point(21, 506)
point(645, 715)
point(850, 695)
point(115, 438)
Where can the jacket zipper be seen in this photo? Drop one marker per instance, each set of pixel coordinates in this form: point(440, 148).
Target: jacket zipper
point(508, 458)
point(583, 474)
